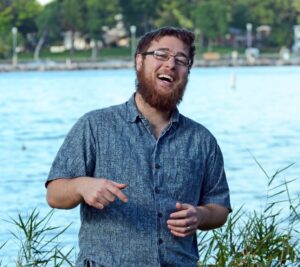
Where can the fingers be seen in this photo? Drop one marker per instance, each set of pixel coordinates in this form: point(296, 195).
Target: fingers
point(182, 231)
point(184, 221)
point(185, 211)
point(189, 223)
point(120, 186)
point(182, 206)
point(115, 190)
point(102, 192)
point(182, 228)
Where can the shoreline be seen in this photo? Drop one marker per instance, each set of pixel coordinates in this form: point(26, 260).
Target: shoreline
point(126, 64)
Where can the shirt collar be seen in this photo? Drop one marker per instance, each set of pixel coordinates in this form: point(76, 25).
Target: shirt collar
point(133, 113)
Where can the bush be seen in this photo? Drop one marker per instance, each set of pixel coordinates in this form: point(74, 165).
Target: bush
point(4, 51)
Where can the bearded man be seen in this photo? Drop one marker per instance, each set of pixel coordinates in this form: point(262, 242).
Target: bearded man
point(146, 177)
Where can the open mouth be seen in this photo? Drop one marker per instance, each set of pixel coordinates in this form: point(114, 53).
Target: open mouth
point(165, 77)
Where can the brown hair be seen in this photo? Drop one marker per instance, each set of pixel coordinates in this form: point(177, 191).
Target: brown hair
point(187, 37)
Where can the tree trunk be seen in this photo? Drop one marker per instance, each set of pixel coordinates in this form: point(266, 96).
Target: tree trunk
point(39, 45)
point(72, 43)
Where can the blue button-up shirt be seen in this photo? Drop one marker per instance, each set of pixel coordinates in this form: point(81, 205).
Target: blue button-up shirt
point(183, 165)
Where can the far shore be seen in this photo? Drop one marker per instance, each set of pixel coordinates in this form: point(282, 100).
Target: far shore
point(49, 65)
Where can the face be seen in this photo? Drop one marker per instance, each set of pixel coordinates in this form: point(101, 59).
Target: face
point(162, 83)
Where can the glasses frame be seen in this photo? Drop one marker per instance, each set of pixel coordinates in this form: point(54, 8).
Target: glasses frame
point(177, 62)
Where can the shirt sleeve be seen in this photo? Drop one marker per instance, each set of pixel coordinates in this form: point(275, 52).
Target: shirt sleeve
point(215, 188)
point(76, 156)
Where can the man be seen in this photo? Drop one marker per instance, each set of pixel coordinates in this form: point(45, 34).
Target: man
point(145, 176)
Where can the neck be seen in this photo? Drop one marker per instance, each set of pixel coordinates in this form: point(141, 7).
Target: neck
point(157, 118)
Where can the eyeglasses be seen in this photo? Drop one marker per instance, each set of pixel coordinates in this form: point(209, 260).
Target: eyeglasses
point(164, 55)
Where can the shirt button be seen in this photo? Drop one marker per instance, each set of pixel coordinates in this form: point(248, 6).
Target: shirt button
point(157, 166)
point(160, 241)
point(156, 189)
point(160, 214)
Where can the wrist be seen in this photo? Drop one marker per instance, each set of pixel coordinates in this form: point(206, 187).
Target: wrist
point(200, 216)
point(79, 185)
point(204, 218)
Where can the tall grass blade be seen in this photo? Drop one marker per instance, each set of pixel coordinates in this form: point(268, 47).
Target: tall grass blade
point(270, 238)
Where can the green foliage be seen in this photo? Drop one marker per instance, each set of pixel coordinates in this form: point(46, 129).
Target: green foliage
point(20, 14)
point(140, 13)
point(4, 47)
point(107, 53)
point(49, 21)
point(269, 238)
point(175, 13)
point(38, 241)
point(212, 18)
point(100, 13)
point(71, 15)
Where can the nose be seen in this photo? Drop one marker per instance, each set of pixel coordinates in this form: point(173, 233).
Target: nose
point(171, 63)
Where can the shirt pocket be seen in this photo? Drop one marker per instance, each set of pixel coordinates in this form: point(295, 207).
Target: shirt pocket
point(183, 180)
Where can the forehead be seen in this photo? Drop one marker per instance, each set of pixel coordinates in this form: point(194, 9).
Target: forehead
point(169, 42)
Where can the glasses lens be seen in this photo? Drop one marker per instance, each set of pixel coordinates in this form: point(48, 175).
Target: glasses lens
point(182, 60)
point(161, 55)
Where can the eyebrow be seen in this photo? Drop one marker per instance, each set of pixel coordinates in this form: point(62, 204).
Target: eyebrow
point(177, 54)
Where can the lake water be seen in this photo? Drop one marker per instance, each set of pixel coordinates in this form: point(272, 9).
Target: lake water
point(261, 116)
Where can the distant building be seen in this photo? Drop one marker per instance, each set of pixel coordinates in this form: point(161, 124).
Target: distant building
point(117, 35)
point(79, 41)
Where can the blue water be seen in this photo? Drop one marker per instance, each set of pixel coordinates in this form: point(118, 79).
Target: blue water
point(260, 116)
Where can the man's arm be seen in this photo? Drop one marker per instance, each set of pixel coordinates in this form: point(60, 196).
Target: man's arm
point(188, 218)
point(67, 193)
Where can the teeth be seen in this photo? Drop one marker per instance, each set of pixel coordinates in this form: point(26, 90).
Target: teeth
point(165, 76)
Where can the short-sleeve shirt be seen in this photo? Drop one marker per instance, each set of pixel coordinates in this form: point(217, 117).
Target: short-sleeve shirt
point(184, 164)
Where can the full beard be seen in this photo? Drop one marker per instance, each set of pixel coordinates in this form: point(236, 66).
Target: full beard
point(157, 100)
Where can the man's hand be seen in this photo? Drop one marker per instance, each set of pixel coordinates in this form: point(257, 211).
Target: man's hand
point(189, 218)
point(99, 193)
point(185, 221)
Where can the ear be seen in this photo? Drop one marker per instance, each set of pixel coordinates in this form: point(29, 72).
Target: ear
point(139, 61)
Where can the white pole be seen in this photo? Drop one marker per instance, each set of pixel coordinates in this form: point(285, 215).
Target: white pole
point(14, 31)
point(133, 40)
point(249, 35)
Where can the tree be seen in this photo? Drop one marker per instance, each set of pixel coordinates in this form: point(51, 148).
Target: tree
point(49, 27)
point(20, 14)
point(23, 14)
point(212, 18)
point(175, 13)
point(141, 13)
point(5, 28)
point(71, 18)
point(99, 13)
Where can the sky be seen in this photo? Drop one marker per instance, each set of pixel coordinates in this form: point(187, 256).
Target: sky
point(43, 2)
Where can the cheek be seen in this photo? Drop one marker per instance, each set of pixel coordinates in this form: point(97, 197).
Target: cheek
point(184, 74)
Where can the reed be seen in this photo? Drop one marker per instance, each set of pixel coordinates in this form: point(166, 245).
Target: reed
point(1, 246)
point(268, 238)
point(38, 242)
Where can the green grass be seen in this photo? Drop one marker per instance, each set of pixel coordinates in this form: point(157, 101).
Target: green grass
point(104, 53)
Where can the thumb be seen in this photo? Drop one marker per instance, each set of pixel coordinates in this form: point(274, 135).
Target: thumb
point(120, 186)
